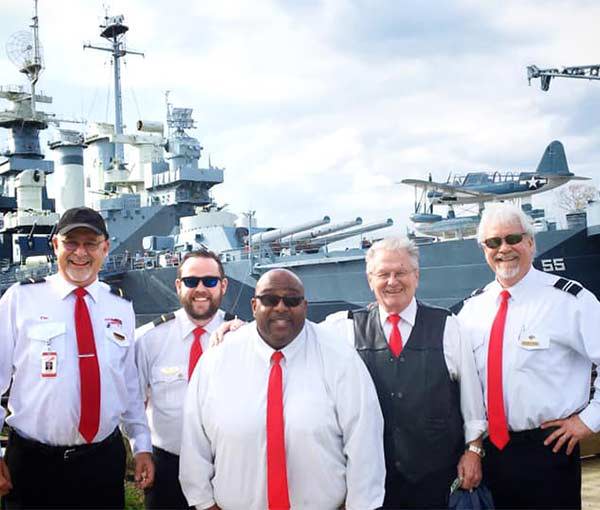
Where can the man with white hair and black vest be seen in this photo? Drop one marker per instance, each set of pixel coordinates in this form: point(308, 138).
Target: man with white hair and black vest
point(535, 337)
point(426, 380)
point(167, 351)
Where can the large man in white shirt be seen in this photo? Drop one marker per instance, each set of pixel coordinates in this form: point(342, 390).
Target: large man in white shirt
point(426, 381)
point(167, 351)
point(535, 336)
point(66, 342)
point(281, 415)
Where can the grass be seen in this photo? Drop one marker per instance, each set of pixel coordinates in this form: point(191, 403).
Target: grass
point(134, 497)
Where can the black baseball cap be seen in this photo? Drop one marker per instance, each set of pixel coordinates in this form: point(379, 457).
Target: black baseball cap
point(81, 217)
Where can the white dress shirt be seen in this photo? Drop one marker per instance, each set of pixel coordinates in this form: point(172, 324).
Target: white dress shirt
point(40, 317)
point(457, 354)
point(162, 355)
point(551, 339)
point(333, 425)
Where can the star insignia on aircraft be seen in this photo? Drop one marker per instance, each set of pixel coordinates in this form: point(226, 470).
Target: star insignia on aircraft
point(535, 182)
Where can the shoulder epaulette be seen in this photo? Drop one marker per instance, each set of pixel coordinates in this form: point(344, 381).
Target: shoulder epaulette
point(568, 286)
point(229, 316)
point(457, 307)
point(165, 317)
point(29, 281)
point(117, 291)
point(476, 292)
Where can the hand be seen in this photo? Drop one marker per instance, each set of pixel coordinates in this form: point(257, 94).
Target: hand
point(144, 470)
point(570, 429)
point(219, 334)
point(469, 470)
point(5, 482)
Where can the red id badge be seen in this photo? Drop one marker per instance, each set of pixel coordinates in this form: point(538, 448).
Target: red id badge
point(49, 364)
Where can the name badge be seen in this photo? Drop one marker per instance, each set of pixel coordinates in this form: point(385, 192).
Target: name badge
point(534, 341)
point(49, 364)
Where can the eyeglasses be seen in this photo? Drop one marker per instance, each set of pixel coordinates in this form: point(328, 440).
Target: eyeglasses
point(88, 246)
point(272, 300)
point(399, 275)
point(511, 239)
point(191, 282)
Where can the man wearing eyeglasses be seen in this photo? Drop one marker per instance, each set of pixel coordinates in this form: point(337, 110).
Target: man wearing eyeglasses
point(66, 342)
point(535, 337)
point(426, 381)
point(167, 351)
point(281, 415)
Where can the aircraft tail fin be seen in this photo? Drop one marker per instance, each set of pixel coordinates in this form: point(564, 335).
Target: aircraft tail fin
point(554, 160)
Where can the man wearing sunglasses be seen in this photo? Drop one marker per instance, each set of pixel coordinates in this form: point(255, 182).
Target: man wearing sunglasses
point(167, 351)
point(426, 381)
point(66, 342)
point(282, 415)
point(535, 337)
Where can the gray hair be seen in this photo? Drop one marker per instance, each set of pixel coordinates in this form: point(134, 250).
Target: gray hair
point(399, 244)
point(503, 213)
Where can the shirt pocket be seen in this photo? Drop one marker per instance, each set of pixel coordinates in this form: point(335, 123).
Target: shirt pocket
point(168, 385)
point(117, 345)
point(533, 352)
point(46, 336)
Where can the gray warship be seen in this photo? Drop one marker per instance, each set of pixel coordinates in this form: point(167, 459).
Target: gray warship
point(155, 196)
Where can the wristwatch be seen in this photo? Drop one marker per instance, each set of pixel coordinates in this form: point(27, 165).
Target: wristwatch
point(476, 449)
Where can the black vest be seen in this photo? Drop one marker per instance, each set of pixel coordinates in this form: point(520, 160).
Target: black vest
point(420, 403)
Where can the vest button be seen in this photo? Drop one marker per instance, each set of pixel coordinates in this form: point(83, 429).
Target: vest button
point(392, 394)
point(399, 394)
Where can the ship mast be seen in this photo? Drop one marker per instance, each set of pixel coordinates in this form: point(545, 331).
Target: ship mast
point(114, 31)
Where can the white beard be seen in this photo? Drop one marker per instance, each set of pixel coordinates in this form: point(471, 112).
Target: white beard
point(506, 272)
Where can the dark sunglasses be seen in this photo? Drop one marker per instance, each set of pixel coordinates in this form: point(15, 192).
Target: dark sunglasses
point(191, 282)
point(271, 300)
point(510, 239)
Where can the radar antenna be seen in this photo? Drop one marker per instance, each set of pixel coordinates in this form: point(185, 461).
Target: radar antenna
point(591, 72)
point(25, 51)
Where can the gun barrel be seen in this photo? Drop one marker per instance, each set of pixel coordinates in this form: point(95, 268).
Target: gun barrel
point(320, 241)
point(317, 232)
point(275, 235)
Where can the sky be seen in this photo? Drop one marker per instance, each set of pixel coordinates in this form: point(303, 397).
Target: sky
point(320, 107)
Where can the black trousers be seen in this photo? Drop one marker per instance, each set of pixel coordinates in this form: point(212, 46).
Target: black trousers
point(166, 491)
point(87, 476)
point(527, 475)
point(430, 492)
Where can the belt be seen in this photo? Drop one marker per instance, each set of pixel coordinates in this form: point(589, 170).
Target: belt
point(530, 436)
point(66, 452)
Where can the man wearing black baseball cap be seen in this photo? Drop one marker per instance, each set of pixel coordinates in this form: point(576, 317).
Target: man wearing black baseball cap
point(67, 343)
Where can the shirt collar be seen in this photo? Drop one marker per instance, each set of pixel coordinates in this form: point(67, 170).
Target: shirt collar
point(408, 314)
point(187, 326)
point(64, 288)
point(265, 351)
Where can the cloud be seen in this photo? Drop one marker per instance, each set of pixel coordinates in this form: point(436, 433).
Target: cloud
point(321, 107)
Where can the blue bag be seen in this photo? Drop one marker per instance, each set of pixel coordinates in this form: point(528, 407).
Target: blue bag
point(477, 499)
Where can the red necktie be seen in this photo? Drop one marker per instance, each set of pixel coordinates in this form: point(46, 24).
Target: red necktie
point(395, 337)
point(195, 351)
point(89, 371)
point(496, 414)
point(277, 485)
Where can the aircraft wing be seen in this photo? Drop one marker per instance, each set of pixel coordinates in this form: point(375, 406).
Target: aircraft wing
point(448, 188)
